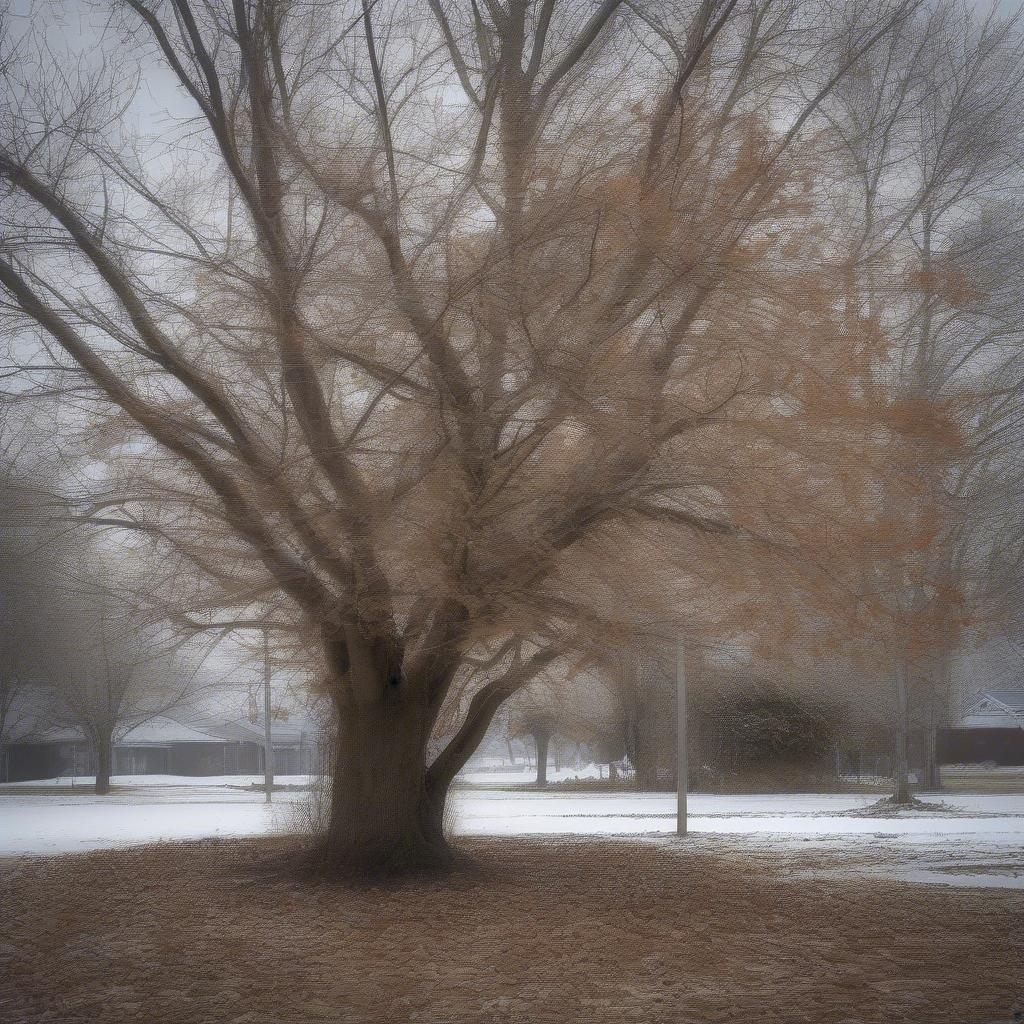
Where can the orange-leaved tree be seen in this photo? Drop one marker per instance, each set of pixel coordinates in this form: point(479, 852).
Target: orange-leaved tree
point(444, 340)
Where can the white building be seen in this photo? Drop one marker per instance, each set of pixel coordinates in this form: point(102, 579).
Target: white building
point(994, 709)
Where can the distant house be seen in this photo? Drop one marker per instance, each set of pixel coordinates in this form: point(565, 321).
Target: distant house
point(994, 709)
point(294, 743)
point(160, 746)
point(163, 746)
point(990, 730)
point(44, 754)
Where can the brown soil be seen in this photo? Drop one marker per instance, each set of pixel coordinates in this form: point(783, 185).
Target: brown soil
point(537, 931)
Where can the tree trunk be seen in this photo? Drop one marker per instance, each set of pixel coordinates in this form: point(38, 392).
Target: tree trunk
point(645, 763)
point(638, 743)
point(104, 760)
point(932, 772)
point(637, 724)
point(900, 780)
point(938, 706)
point(384, 820)
point(540, 738)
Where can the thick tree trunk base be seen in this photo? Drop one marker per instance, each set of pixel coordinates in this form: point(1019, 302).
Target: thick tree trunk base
point(888, 803)
point(315, 862)
point(541, 740)
point(902, 800)
point(104, 765)
point(901, 794)
point(411, 857)
point(384, 820)
point(887, 807)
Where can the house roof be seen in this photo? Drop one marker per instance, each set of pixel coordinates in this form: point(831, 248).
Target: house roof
point(159, 731)
point(1011, 700)
point(155, 732)
point(53, 734)
point(283, 733)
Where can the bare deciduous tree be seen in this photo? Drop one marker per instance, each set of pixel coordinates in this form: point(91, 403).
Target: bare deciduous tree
point(934, 128)
point(104, 671)
point(452, 339)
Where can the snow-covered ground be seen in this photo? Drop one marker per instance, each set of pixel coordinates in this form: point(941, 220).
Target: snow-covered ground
point(524, 774)
point(983, 835)
point(85, 782)
point(489, 778)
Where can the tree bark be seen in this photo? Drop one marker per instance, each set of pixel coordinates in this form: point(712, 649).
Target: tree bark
point(104, 760)
point(932, 772)
point(540, 739)
point(387, 808)
point(384, 817)
point(938, 705)
point(645, 757)
point(638, 743)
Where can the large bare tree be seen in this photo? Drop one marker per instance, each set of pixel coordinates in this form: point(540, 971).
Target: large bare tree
point(443, 339)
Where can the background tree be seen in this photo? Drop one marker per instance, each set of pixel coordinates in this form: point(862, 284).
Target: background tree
point(22, 601)
point(636, 687)
point(564, 704)
point(105, 670)
point(932, 125)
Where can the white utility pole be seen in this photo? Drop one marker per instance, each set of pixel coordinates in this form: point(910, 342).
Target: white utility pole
point(268, 749)
point(681, 759)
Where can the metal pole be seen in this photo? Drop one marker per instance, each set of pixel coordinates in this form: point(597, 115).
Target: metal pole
point(268, 749)
point(681, 759)
point(901, 785)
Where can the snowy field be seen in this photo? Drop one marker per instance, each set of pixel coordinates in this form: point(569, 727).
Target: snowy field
point(486, 778)
point(85, 782)
point(983, 832)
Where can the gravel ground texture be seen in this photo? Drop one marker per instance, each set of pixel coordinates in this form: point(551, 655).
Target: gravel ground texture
point(537, 930)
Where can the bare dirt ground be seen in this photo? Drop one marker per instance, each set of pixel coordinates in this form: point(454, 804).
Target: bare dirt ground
point(538, 930)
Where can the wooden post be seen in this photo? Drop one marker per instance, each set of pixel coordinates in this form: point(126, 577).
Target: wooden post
point(268, 749)
point(681, 758)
